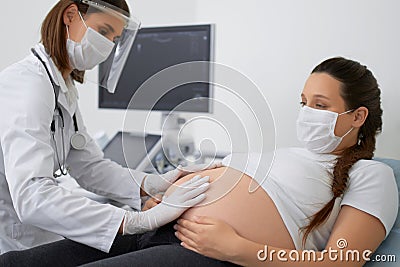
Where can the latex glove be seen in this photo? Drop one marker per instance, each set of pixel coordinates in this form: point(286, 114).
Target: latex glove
point(158, 183)
point(171, 207)
point(199, 167)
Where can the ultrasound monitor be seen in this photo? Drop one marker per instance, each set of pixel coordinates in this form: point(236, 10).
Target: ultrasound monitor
point(155, 49)
point(133, 150)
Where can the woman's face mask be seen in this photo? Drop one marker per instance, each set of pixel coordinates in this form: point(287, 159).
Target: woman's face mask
point(316, 129)
point(93, 49)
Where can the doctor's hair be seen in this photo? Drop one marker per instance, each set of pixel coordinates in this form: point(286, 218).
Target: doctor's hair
point(359, 88)
point(54, 33)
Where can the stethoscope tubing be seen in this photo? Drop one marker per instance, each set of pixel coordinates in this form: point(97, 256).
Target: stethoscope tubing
point(78, 140)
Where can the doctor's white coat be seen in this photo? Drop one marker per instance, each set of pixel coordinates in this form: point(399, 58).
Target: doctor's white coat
point(33, 209)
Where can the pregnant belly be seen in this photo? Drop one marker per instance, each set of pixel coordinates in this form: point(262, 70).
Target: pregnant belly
point(253, 215)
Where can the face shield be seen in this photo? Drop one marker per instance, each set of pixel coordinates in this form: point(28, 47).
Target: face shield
point(115, 26)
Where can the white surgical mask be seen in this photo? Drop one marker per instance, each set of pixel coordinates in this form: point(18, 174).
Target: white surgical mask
point(93, 49)
point(316, 129)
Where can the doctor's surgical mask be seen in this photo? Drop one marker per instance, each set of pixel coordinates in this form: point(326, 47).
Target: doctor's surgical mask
point(316, 129)
point(93, 49)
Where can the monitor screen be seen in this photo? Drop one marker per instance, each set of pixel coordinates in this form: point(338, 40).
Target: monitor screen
point(131, 158)
point(154, 50)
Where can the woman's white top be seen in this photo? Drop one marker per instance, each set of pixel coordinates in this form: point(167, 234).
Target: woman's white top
point(299, 183)
point(34, 209)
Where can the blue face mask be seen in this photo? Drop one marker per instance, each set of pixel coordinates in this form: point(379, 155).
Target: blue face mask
point(316, 129)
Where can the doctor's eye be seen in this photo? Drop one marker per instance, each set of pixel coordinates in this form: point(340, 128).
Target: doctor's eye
point(104, 31)
point(302, 103)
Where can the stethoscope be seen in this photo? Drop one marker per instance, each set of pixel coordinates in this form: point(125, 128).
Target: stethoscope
point(78, 140)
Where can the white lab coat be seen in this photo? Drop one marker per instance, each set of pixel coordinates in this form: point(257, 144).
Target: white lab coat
point(33, 209)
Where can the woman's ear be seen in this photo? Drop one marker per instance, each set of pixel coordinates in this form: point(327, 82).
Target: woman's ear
point(360, 115)
point(70, 14)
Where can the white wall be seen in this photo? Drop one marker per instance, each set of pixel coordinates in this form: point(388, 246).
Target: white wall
point(274, 43)
point(20, 28)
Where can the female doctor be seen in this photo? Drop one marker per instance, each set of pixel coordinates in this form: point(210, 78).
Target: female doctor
point(42, 131)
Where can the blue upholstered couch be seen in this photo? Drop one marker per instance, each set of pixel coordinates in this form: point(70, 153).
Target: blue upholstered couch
point(391, 245)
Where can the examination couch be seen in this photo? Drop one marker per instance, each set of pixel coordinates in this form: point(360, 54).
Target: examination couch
point(391, 245)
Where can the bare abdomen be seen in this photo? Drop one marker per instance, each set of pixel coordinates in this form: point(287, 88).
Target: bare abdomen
point(253, 215)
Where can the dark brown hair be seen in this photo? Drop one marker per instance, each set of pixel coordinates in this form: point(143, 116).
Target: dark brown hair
point(359, 88)
point(54, 33)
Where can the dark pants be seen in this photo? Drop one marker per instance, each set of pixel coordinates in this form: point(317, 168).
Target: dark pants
point(156, 248)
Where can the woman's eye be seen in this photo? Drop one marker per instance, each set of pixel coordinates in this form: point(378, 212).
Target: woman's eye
point(321, 106)
point(302, 103)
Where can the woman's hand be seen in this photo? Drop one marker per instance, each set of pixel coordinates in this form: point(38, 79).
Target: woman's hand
point(152, 202)
point(208, 236)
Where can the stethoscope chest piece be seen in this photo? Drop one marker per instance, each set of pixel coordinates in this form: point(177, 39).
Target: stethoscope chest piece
point(78, 141)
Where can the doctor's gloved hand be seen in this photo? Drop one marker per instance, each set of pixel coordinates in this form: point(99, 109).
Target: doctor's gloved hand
point(171, 207)
point(199, 167)
point(158, 183)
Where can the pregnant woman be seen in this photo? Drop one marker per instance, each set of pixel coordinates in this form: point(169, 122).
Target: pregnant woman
point(312, 197)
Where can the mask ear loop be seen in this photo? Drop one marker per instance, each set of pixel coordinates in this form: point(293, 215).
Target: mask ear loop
point(80, 15)
point(351, 110)
point(66, 26)
point(351, 129)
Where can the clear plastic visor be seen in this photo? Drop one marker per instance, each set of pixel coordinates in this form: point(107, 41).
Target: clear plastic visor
point(119, 28)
